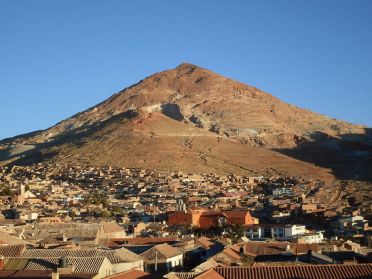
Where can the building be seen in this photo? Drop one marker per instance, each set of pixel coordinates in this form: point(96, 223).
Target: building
point(163, 258)
point(120, 259)
point(314, 237)
point(275, 231)
point(254, 232)
point(206, 219)
point(287, 231)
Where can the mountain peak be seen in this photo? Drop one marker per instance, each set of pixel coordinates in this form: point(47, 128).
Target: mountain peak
point(187, 68)
point(186, 65)
point(187, 110)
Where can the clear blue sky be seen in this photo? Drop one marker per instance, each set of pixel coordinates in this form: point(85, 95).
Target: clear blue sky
point(60, 57)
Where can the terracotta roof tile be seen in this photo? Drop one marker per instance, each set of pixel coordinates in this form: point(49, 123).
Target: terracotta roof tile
point(88, 265)
point(205, 241)
point(25, 274)
point(114, 256)
point(10, 239)
point(209, 264)
point(235, 213)
point(274, 248)
point(110, 227)
point(209, 274)
point(230, 252)
point(132, 274)
point(12, 250)
point(361, 271)
point(164, 251)
point(141, 240)
point(82, 265)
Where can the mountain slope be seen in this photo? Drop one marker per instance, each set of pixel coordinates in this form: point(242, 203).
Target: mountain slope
point(192, 119)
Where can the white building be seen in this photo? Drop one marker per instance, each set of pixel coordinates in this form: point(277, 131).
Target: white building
point(254, 232)
point(287, 231)
point(28, 216)
point(279, 192)
point(315, 237)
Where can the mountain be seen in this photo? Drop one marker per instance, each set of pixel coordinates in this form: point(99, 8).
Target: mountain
point(192, 119)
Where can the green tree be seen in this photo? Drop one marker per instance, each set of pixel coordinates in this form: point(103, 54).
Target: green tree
point(105, 213)
point(5, 191)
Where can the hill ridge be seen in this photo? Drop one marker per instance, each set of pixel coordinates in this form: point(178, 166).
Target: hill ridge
point(192, 100)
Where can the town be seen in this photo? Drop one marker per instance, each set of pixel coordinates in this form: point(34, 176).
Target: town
point(133, 223)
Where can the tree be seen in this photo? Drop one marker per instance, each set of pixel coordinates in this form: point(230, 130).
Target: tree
point(105, 213)
point(5, 191)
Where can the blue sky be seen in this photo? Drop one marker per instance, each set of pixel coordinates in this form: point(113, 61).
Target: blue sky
point(60, 57)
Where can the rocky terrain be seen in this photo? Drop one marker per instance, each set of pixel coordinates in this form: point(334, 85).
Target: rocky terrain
point(193, 119)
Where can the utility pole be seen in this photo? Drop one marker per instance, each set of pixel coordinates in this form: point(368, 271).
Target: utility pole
point(156, 260)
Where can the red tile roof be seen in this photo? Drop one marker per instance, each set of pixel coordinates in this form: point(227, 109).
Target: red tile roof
point(235, 214)
point(141, 240)
point(39, 274)
point(161, 251)
point(274, 248)
point(360, 271)
point(12, 250)
point(132, 274)
point(209, 274)
point(25, 274)
point(205, 241)
point(111, 227)
point(231, 253)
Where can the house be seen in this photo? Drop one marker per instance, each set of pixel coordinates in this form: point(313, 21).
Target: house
point(200, 250)
point(229, 256)
point(239, 217)
point(120, 259)
point(209, 248)
point(280, 192)
point(312, 237)
point(163, 258)
point(309, 208)
point(207, 265)
point(206, 219)
point(254, 232)
point(28, 216)
point(267, 251)
point(287, 231)
point(94, 267)
point(111, 230)
point(349, 224)
point(275, 231)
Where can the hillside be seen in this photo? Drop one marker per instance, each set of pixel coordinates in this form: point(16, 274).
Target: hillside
point(193, 119)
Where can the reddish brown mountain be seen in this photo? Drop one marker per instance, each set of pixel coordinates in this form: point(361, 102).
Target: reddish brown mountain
point(192, 119)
